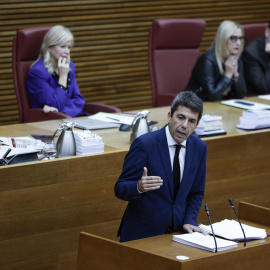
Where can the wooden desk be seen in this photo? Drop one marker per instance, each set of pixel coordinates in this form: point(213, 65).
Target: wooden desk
point(160, 252)
point(45, 205)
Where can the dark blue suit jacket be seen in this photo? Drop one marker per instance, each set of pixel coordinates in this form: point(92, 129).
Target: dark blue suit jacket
point(149, 214)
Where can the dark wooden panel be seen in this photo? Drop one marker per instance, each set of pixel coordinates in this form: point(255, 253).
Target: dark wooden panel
point(235, 169)
point(111, 40)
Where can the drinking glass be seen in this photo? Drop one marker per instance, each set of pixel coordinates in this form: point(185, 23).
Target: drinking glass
point(49, 149)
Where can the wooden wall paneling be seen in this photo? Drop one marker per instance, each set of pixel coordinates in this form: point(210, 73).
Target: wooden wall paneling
point(111, 40)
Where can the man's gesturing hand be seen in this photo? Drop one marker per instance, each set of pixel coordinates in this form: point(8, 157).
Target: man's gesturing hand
point(149, 182)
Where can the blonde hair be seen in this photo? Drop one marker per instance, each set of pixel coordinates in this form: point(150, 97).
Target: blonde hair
point(57, 35)
point(225, 30)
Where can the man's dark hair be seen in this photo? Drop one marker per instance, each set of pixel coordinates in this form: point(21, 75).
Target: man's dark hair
point(189, 100)
point(269, 25)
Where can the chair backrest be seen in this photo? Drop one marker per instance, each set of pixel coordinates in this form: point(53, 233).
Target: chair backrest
point(26, 48)
point(253, 31)
point(172, 52)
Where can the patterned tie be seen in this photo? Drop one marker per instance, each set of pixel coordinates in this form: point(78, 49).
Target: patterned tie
point(176, 170)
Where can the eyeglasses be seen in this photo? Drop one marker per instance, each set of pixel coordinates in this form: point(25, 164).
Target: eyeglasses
point(235, 38)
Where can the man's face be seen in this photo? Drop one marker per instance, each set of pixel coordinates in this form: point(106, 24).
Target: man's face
point(182, 123)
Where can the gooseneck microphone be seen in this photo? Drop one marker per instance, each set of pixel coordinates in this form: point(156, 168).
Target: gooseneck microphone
point(3, 160)
point(232, 205)
point(208, 214)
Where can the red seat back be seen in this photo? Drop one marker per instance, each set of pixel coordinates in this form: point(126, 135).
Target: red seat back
point(26, 48)
point(253, 31)
point(173, 51)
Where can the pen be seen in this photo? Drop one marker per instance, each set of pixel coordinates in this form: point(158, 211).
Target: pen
point(244, 103)
point(113, 118)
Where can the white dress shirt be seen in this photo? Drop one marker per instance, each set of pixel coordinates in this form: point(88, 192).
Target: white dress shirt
point(182, 154)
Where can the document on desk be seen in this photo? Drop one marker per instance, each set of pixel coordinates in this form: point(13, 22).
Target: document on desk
point(112, 118)
point(244, 104)
point(19, 145)
point(230, 229)
point(21, 142)
point(267, 97)
point(92, 124)
point(205, 242)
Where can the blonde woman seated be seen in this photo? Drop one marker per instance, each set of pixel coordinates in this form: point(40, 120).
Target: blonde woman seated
point(218, 73)
point(51, 81)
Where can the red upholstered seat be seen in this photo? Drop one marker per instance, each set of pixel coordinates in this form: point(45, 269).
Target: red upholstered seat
point(26, 48)
point(253, 31)
point(173, 51)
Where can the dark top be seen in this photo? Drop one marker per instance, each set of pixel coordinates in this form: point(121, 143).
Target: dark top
point(257, 67)
point(210, 85)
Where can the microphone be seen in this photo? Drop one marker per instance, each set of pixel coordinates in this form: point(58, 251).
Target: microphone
point(232, 205)
point(3, 160)
point(208, 214)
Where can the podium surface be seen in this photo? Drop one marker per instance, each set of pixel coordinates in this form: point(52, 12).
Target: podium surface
point(160, 252)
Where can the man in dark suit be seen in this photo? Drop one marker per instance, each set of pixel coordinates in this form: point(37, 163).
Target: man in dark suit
point(156, 205)
point(256, 60)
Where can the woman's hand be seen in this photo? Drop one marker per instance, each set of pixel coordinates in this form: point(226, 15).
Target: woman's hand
point(231, 66)
point(47, 109)
point(63, 70)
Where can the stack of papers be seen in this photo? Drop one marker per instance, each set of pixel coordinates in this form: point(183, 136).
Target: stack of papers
point(206, 242)
point(210, 125)
point(87, 142)
point(230, 229)
point(254, 119)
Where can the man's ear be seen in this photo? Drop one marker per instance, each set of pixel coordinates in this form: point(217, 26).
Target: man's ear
point(169, 116)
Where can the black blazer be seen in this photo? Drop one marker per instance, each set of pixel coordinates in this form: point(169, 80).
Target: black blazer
point(257, 67)
point(209, 84)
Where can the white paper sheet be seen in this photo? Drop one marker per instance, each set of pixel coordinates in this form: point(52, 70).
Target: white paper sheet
point(113, 118)
point(244, 104)
point(267, 97)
